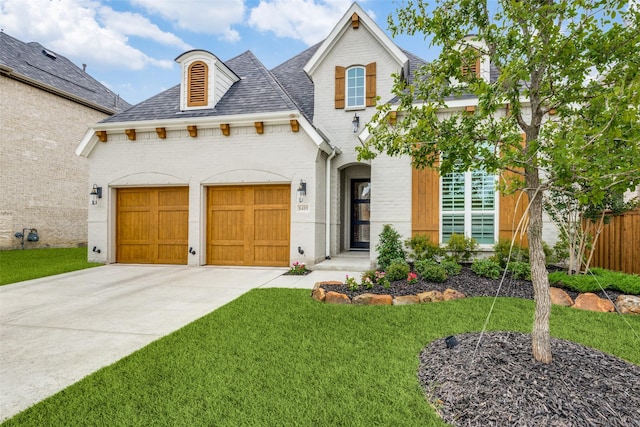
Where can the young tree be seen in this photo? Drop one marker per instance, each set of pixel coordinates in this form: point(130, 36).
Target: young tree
point(561, 106)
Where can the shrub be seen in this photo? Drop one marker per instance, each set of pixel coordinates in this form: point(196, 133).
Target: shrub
point(397, 270)
point(461, 248)
point(381, 279)
point(421, 247)
point(501, 252)
point(420, 265)
point(412, 278)
point(434, 273)
point(486, 268)
point(298, 269)
point(597, 279)
point(368, 279)
point(352, 283)
point(389, 247)
point(451, 267)
point(520, 270)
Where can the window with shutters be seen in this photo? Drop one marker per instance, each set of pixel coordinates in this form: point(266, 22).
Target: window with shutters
point(468, 206)
point(355, 86)
point(197, 92)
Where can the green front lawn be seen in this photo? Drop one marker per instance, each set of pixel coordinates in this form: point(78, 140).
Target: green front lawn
point(275, 357)
point(19, 265)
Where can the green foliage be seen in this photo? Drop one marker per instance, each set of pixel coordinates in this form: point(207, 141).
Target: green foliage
point(486, 268)
point(561, 249)
point(19, 265)
point(433, 273)
point(397, 270)
point(502, 249)
point(389, 247)
point(421, 247)
point(597, 279)
point(382, 280)
point(351, 283)
point(420, 265)
point(461, 248)
point(368, 278)
point(451, 267)
point(520, 270)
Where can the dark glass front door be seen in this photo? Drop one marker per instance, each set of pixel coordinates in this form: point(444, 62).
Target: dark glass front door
point(360, 213)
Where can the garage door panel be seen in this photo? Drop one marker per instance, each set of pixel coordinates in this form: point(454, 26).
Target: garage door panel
point(248, 225)
point(152, 225)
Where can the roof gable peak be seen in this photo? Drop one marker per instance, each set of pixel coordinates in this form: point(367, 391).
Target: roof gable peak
point(357, 19)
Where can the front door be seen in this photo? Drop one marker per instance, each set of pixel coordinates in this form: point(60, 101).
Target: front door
point(360, 213)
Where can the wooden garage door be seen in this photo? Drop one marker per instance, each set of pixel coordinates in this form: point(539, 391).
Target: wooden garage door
point(248, 225)
point(152, 225)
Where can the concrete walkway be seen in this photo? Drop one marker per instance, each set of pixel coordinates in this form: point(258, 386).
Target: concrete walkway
point(56, 330)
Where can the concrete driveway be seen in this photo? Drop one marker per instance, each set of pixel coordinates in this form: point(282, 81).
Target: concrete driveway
point(56, 330)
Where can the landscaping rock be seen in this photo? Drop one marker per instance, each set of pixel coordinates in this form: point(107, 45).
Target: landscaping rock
point(451, 294)
point(336, 298)
point(327, 283)
point(318, 294)
point(560, 297)
point(430, 296)
point(372, 299)
point(628, 304)
point(406, 300)
point(592, 302)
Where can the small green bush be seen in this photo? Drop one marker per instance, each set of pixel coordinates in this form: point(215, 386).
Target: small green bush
point(434, 273)
point(597, 279)
point(486, 268)
point(451, 267)
point(420, 265)
point(520, 270)
point(501, 252)
point(421, 247)
point(461, 248)
point(397, 270)
point(389, 247)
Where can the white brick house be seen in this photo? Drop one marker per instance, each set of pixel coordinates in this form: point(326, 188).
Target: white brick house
point(46, 103)
point(240, 165)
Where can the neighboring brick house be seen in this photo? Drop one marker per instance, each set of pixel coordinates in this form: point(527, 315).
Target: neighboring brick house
point(240, 165)
point(46, 103)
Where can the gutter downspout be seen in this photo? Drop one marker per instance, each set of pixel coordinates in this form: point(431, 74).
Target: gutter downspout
point(327, 237)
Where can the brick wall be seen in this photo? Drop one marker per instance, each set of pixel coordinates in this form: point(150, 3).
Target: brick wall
point(43, 184)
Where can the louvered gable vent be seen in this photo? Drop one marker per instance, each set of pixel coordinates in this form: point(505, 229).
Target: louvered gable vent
point(198, 85)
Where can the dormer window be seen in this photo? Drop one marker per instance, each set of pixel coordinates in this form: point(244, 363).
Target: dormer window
point(198, 84)
point(471, 62)
point(355, 86)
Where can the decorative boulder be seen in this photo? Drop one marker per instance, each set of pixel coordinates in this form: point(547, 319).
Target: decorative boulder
point(592, 302)
point(560, 297)
point(318, 294)
point(430, 296)
point(336, 298)
point(628, 304)
point(406, 300)
point(372, 299)
point(451, 294)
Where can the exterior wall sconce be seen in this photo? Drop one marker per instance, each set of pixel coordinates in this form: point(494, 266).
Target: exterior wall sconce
point(32, 236)
point(96, 193)
point(355, 122)
point(302, 191)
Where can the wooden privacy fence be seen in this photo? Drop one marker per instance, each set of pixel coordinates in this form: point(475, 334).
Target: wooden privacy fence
point(618, 247)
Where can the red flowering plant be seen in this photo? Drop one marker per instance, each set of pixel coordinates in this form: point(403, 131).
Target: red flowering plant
point(298, 269)
point(412, 278)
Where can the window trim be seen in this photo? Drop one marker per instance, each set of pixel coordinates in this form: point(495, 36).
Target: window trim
point(468, 211)
point(363, 88)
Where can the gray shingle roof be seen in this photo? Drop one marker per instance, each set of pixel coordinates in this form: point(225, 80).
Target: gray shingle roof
point(36, 63)
point(257, 91)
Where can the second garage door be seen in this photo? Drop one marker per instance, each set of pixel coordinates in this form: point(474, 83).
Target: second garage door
point(248, 225)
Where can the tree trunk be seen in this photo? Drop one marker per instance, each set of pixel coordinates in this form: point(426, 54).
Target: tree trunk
point(541, 339)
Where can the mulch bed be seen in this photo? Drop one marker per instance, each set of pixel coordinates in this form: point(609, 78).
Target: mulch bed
point(501, 384)
point(466, 282)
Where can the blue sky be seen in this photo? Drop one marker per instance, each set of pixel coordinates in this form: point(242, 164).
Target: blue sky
point(130, 45)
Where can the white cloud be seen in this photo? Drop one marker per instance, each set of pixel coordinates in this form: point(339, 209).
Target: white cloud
point(307, 20)
point(200, 16)
point(74, 28)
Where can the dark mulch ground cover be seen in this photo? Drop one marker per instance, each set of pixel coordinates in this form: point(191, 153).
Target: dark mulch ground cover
point(497, 382)
point(501, 384)
point(466, 282)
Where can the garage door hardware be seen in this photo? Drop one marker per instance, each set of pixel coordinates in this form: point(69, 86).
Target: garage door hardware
point(192, 251)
